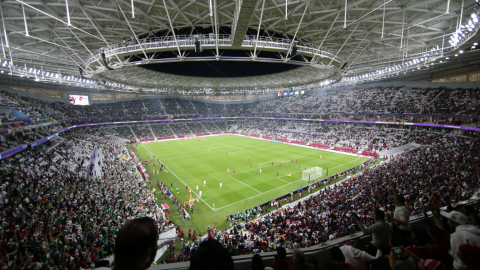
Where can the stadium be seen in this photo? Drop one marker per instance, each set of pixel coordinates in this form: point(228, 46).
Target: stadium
point(244, 134)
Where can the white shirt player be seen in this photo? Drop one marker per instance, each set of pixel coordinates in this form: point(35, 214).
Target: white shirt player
point(220, 185)
point(260, 171)
point(197, 188)
point(204, 182)
point(228, 170)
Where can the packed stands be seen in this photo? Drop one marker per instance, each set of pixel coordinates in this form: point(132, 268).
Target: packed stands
point(60, 216)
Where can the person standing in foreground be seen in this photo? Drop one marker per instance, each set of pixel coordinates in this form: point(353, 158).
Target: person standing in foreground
point(380, 232)
point(279, 262)
point(401, 216)
point(136, 245)
point(211, 255)
point(464, 234)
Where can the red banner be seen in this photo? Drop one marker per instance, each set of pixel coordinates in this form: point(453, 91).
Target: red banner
point(345, 150)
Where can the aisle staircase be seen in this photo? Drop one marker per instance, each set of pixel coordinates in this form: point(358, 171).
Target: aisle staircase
point(134, 135)
point(149, 127)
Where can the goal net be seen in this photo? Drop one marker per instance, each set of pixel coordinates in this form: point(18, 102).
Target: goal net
point(312, 173)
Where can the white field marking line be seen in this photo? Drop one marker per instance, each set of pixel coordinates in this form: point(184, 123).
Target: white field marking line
point(257, 195)
point(182, 181)
point(210, 152)
point(277, 188)
point(244, 184)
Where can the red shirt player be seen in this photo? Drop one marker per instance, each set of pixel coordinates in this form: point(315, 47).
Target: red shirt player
point(233, 170)
point(277, 173)
point(226, 153)
point(272, 163)
point(299, 166)
point(305, 168)
point(292, 161)
point(250, 166)
point(296, 160)
point(280, 164)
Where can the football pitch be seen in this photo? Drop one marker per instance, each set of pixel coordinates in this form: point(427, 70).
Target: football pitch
point(235, 162)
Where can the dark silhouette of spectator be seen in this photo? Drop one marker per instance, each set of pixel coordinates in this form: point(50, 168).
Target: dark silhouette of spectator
point(468, 254)
point(299, 262)
point(211, 255)
point(380, 264)
point(279, 262)
point(419, 246)
point(257, 263)
point(136, 244)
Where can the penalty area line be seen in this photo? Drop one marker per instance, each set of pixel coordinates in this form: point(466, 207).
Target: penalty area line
point(245, 184)
point(290, 183)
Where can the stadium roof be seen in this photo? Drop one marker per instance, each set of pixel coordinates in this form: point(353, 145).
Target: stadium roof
point(109, 42)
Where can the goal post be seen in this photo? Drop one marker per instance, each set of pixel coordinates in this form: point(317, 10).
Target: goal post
point(312, 173)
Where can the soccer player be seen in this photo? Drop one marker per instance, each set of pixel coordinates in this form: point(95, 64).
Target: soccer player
point(177, 190)
point(260, 171)
point(272, 163)
point(164, 172)
point(296, 160)
point(153, 170)
point(320, 156)
point(220, 185)
point(226, 153)
point(277, 173)
point(250, 165)
point(233, 170)
point(197, 188)
point(198, 199)
point(204, 182)
point(280, 164)
point(248, 158)
point(228, 170)
point(171, 184)
point(299, 166)
point(305, 168)
point(292, 161)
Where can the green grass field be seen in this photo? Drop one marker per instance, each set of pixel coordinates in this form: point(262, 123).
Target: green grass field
point(192, 161)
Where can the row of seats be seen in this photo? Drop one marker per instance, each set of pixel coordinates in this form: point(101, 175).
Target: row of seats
point(371, 100)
